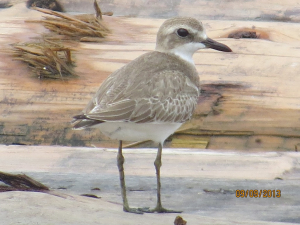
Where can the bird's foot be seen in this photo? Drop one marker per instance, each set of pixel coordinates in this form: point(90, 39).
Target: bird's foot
point(132, 210)
point(158, 209)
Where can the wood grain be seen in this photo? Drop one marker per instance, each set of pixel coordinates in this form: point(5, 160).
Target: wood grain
point(250, 97)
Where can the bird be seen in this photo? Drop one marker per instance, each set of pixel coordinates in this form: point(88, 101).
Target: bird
point(152, 96)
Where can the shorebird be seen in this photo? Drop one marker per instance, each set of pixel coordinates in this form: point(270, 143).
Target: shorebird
point(152, 96)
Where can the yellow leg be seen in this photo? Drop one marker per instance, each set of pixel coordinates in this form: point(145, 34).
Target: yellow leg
point(120, 160)
point(159, 208)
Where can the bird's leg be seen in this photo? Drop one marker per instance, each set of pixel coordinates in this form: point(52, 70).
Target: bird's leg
point(159, 208)
point(120, 159)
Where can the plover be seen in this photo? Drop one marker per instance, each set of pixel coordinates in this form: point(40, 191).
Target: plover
point(152, 96)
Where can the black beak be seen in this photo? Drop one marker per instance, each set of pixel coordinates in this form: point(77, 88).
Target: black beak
point(210, 43)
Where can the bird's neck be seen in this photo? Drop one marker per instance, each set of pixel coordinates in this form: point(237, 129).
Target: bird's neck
point(185, 51)
point(186, 56)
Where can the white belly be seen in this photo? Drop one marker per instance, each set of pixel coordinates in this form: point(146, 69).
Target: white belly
point(128, 131)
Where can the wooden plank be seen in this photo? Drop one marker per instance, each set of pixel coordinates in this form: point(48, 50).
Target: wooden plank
point(254, 89)
point(202, 183)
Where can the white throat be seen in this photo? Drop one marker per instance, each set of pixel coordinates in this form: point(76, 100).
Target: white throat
point(187, 51)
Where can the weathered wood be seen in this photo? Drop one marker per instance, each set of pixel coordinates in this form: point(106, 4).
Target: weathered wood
point(20, 182)
point(250, 97)
point(202, 183)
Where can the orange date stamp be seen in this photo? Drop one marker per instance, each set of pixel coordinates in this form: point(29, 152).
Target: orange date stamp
point(258, 193)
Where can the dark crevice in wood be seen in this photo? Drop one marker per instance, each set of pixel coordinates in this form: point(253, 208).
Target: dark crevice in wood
point(20, 182)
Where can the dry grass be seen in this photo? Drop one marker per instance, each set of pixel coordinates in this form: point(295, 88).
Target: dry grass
point(87, 27)
point(49, 58)
point(46, 58)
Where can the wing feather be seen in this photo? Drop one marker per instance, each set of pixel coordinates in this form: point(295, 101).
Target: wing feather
point(150, 95)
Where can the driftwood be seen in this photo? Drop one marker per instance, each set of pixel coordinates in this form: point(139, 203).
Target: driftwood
point(179, 221)
point(20, 182)
point(46, 4)
point(249, 100)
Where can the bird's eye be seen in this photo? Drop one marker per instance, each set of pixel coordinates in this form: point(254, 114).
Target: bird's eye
point(182, 32)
